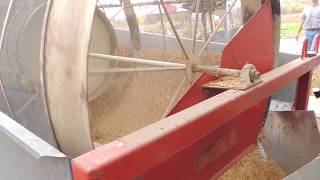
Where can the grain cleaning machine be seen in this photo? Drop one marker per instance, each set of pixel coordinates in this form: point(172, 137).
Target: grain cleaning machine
point(58, 57)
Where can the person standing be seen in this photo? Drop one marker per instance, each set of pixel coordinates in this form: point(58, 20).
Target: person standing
point(310, 21)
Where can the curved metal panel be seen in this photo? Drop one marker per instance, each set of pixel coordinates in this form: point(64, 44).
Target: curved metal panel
point(25, 156)
point(103, 40)
point(20, 65)
point(66, 48)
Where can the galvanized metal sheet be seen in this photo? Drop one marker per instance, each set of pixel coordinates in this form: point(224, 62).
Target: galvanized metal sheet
point(291, 138)
point(288, 93)
point(309, 171)
point(149, 41)
point(21, 65)
point(25, 156)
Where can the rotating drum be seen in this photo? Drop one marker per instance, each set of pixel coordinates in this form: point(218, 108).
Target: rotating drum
point(45, 70)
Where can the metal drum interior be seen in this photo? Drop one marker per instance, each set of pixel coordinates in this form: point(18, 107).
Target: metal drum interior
point(103, 40)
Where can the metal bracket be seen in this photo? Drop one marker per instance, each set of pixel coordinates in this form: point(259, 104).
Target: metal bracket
point(248, 78)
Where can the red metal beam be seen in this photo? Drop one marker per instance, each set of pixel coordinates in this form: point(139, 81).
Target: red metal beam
point(304, 50)
point(132, 156)
point(316, 43)
point(303, 91)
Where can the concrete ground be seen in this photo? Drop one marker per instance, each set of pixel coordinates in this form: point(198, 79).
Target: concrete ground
point(291, 46)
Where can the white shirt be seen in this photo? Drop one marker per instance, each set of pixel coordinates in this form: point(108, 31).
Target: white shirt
point(311, 15)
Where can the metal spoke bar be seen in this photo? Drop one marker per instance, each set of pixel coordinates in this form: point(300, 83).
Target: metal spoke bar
point(174, 98)
point(174, 29)
point(217, 28)
point(195, 27)
point(129, 70)
point(4, 28)
point(115, 14)
point(163, 28)
point(219, 5)
point(213, 70)
point(140, 4)
point(211, 21)
point(136, 60)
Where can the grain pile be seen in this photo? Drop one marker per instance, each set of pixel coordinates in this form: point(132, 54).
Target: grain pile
point(256, 165)
point(227, 82)
point(135, 100)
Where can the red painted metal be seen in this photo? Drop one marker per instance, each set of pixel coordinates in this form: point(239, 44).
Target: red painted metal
point(316, 41)
point(252, 44)
point(304, 82)
point(304, 51)
point(303, 91)
point(185, 141)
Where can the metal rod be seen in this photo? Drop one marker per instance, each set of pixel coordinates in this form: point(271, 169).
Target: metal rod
point(25, 105)
point(211, 21)
point(174, 97)
point(219, 5)
point(204, 25)
point(163, 28)
point(217, 28)
point(140, 4)
point(215, 71)
point(129, 70)
point(5, 22)
point(4, 29)
point(195, 27)
point(115, 14)
point(174, 29)
point(136, 60)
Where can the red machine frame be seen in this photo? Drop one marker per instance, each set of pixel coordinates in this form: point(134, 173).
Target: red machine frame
point(208, 130)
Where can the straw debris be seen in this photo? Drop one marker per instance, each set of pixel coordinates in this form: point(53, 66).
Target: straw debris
point(256, 165)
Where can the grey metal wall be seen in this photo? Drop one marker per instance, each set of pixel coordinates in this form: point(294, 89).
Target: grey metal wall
point(155, 41)
point(308, 172)
point(25, 156)
point(21, 65)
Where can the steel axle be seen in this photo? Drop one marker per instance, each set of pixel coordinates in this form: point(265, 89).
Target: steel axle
point(252, 74)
